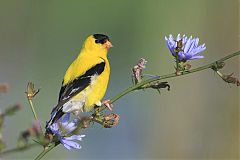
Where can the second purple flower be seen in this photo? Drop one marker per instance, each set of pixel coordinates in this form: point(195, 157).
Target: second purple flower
point(186, 48)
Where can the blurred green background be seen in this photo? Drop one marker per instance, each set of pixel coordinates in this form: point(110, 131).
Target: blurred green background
point(197, 119)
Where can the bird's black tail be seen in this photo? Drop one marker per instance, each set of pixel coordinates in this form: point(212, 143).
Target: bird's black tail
point(54, 118)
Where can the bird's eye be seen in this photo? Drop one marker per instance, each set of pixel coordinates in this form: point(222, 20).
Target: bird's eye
point(100, 38)
point(97, 41)
point(102, 41)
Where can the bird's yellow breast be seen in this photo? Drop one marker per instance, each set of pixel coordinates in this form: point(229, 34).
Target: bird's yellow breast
point(95, 91)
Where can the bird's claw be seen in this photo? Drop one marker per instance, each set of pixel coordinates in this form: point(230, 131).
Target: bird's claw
point(108, 104)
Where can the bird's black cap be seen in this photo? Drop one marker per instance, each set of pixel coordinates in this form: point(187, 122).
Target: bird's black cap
point(100, 38)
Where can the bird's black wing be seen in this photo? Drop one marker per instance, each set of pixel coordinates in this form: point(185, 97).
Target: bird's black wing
point(73, 88)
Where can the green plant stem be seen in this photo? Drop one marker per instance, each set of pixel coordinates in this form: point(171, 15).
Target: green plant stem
point(177, 62)
point(45, 151)
point(34, 113)
point(139, 85)
point(33, 110)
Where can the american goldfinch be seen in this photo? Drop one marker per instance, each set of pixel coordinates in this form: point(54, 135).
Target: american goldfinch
point(85, 81)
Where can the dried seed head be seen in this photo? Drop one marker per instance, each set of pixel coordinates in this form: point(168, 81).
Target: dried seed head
point(137, 70)
point(31, 92)
point(230, 79)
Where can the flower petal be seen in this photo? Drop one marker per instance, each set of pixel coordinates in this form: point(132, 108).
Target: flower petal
point(66, 119)
point(66, 143)
point(196, 42)
point(184, 39)
point(75, 137)
point(54, 128)
point(198, 50)
point(70, 144)
point(187, 45)
point(181, 55)
point(171, 38)
point(178, 37)
point(196, 57)
point(67, 146)
point(189, 52)
point(71, 126)
point(171, 44)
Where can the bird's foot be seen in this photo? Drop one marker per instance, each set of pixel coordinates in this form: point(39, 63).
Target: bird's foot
point(108, 104)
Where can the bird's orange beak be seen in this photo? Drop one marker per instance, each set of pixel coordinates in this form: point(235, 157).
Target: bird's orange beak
point(107, 45)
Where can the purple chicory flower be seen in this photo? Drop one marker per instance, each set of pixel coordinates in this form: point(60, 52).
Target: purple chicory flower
point(63, 128)
point(186, 48)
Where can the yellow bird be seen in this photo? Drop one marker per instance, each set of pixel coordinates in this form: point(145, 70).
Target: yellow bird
point(85, 81)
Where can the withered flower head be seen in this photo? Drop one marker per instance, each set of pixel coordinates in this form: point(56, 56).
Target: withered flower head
point(31, 92)
point(230, 79)
point(137, 70)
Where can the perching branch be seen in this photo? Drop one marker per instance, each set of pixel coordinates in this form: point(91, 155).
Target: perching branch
point(139, 85)
point(46, 150)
